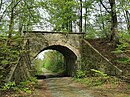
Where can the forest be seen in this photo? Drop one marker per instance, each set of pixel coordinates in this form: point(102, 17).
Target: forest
point(105, 24)
point(96, 18)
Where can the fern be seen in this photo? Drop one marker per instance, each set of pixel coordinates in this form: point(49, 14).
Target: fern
point(99, 73)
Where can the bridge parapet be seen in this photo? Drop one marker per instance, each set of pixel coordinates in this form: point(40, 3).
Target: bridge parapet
point(52, 32)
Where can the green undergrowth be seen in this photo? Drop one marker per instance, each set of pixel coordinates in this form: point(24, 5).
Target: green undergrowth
point(100, 80)
point(10, 50)
point(123, 53)
point(23, 89)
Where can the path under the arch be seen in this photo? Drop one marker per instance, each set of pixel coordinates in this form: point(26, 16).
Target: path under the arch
point(62, 87)
point(67, 87)
point(55, 86)
point(49, 74)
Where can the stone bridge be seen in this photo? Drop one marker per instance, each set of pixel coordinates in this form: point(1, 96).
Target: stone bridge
point(78, 54)
point(70, 45)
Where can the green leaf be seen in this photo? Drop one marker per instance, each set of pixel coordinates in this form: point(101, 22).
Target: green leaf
point(5, 62)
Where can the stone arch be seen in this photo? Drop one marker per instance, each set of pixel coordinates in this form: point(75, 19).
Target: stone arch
point(70, 57)
point(67, 44)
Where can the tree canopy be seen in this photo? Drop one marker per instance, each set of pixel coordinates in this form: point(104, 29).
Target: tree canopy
point(97, 18)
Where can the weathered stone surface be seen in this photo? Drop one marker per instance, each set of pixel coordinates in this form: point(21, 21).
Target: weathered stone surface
point(78, 53)
point(67, 44)
point(92, 59)
point(21, 71)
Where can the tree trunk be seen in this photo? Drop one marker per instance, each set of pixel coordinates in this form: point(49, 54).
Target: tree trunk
point(114, 24)
point(1, 2)
point(11, 24)
point(80, 28)
point(70, 25)
point(128, 20)
point(20, 27)
point(85, 25)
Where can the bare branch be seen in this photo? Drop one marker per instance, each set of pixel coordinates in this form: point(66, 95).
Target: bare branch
point(5, 11)
point(16, 4)
point(104, 6)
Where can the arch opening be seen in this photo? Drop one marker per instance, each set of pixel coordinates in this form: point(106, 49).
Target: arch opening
point(68, 60)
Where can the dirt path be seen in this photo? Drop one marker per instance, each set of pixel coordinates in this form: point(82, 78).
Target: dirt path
point(61, 87)
point(65, 87)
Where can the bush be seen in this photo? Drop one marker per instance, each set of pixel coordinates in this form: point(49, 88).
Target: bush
point(80, 74)
point(25, 86)
point(8, 86)
point(122, 50)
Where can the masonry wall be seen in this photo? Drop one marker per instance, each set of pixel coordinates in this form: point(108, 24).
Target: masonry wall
point(92, 59)
point(22, 70)
point(40, 41)
point(67, 44)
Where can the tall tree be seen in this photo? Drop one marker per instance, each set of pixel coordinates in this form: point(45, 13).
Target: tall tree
point(85, 17)
point(11, 23)
point(114, 22)
point(62, 14)
point(81, 12)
